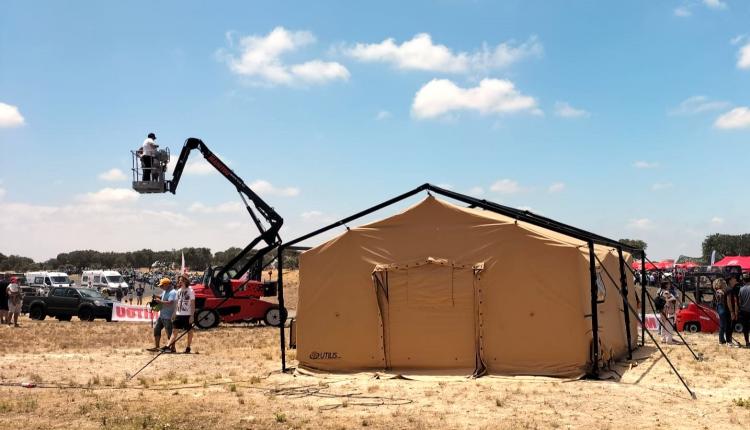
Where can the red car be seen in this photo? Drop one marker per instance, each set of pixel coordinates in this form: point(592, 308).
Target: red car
point(245, 305)
point(694, 319)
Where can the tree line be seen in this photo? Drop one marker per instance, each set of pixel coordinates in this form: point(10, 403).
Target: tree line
point(76, 261)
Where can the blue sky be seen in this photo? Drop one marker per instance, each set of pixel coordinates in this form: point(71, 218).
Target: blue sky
point(627, 118)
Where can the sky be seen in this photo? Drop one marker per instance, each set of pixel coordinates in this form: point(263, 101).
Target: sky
point(629, 119)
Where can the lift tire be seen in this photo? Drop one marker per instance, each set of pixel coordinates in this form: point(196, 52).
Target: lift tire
point(274, 316)
point(692, 327)
point(37, 313)
point(206, 319)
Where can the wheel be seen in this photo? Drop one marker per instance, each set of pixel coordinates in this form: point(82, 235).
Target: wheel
point(37, 313)
point(64, 317)
point(692, 327)
point(206, 319)
point(738, 327)
point(86, 314)
point(273, 317)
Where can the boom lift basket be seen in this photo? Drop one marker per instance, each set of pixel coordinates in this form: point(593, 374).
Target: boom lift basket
point(156, 172)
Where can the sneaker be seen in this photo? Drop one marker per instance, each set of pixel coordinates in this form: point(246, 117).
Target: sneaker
point(155, 349)
point(187, 350)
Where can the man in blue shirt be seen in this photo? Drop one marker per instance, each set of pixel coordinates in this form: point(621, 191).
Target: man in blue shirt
point(165, 303)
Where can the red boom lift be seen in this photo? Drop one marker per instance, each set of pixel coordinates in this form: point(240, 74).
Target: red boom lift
point(225, 295)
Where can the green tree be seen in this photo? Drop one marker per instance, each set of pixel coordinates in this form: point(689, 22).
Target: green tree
point(635, 243)
point(726, 244)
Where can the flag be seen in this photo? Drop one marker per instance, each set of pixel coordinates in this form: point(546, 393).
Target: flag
point(183, 269)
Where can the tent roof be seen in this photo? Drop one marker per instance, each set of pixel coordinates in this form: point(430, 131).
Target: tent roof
point(743, 262)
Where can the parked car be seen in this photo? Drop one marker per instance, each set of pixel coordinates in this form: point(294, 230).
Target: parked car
point(64, 303)
point(46, 280)
point(694, 319)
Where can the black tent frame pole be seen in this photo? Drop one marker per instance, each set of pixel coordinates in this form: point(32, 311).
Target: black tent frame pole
point(624, 289)
point(594, 311)
point(282, 309)
point(653, 339)
point(644, 284)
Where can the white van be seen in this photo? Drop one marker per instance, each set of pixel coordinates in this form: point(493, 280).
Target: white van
point(47, 280)
point(106, 281)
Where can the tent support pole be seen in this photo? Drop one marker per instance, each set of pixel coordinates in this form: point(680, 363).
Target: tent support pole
point(282, 313)
point(594, 311)
point(653, 339)
point(624, 289)
point(644, 283)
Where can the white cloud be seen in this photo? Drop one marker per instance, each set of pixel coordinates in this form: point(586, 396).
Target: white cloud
point(493, 96)
point(661, 186)
point(110, 195)
point(646, 164)
point(10, 116)
point(259, 59)
point(525, 208)
point(420, 53)
point(556, 187)
point(198, 167)
point(738, 117)
point(266, 188)
point(737, 39)
point(565, 110)
point(715, 4)
point(717, 220)
point(682, 11)
point(228, 207)
point(743, 57)
point(383, 115)
point(641, 224)
point(476, 191)
point(505, 186)
point(113, 175)
point(698, 104)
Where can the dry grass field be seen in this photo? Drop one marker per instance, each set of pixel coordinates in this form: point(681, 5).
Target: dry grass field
point(81, 371)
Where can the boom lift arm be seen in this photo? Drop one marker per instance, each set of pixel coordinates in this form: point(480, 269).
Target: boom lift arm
point(219, 281)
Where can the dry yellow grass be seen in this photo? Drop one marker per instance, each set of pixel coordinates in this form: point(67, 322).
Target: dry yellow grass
point(230, 383)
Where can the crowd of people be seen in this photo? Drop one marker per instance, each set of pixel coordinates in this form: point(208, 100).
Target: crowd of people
point(10, 301)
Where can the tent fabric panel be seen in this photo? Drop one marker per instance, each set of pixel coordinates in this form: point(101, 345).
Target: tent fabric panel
point(532, 315)
point(431, 318)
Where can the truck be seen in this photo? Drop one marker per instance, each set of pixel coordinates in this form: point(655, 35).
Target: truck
point(64, 303)
point(232, 292)
point(105, 281)
point(47, 280)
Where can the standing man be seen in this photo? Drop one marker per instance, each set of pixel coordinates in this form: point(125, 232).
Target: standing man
point(744, 315)
point(3, 300)
point(721, 293)
point(148, 152)
point(14, 301)
point(733, 300)
point(184, 313)
point(139, 294)
point(166, 309)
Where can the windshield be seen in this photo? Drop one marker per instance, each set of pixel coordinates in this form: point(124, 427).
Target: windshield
point(114, 279)
point(93, 294)
point(60, 280)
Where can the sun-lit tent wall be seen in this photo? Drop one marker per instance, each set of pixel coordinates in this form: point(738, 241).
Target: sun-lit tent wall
point(443, 288)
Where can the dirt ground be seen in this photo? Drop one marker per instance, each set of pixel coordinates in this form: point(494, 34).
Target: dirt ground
point(81, 371)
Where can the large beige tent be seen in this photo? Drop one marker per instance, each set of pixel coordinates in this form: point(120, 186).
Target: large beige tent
point(441, 288)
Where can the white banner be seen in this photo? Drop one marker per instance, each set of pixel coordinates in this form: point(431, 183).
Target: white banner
point(122, 312)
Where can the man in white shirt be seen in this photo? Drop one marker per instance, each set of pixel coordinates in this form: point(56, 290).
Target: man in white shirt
point(14, 301)
point(148, 152)
point(184, 310)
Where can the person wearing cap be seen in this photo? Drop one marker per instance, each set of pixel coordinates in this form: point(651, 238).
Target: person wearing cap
point(148, 152)
point(167, 303)
point(14, 301)
point(183, 313)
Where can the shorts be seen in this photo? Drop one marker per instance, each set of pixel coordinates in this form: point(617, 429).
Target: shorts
point(162, 323)
point(14, 308)
point(182, 322)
